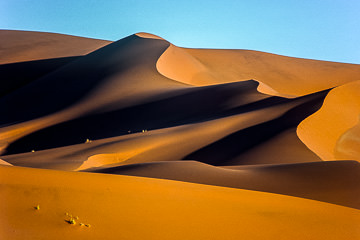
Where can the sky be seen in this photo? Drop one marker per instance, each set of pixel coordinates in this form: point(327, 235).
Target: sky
point(317, 29)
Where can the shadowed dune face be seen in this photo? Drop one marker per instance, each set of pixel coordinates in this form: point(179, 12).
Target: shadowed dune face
point(13, 79)
point(106, 78)
point(332, 132)
point(223, 123)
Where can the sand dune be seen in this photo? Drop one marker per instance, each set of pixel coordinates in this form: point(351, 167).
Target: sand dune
point(278, 75)
point(144, 208)
point(243, 134)
point(332, 132)
point(78, 88)
point(22, 46)
point(186, 141)
point(334, 182)
point(13, 79)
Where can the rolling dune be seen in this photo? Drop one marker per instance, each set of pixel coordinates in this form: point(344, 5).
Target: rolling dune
point(141, 139)
point(278, 75)
point(336, 182)
point(144, 208)
point(23, 46)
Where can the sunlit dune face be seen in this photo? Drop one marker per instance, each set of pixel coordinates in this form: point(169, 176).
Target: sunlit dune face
point(348, 145)
point(278, 75)
point(144, 208)
point(332, 132)
point(21, 46)
point(2, 162)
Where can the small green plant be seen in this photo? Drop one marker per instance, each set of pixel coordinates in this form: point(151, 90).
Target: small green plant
point(71, 221)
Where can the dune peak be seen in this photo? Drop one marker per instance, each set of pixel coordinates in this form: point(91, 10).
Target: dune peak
point(148, 35)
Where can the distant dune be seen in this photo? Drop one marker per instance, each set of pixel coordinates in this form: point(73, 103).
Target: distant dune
point(21, 46)
point(141, 139)
point(278, 75)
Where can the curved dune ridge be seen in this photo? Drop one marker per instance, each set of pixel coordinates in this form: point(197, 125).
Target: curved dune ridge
point(278, 75)
point(141, 139)
point(335, 182)
point(103, 84)
point(332, 132)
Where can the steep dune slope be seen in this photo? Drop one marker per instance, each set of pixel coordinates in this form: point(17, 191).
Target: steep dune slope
point(332, 132)
point(118, 75)
point(231, 149)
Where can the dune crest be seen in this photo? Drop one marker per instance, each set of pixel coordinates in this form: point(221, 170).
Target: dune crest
point(332, 129)
point(148, 35)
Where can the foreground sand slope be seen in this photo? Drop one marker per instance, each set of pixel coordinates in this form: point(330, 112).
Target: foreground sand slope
point(124, 207)
point(335, 182)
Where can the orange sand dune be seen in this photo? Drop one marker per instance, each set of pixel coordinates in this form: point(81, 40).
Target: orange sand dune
point(87, 85)
point(153, 145)
point(142, 208)
point(219, 122)
point(274, 151)
point(334, 182)
point(278, 75)
point(20, 46)
point(333, 131)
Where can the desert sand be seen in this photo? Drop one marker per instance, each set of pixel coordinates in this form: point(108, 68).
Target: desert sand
point(141, 139)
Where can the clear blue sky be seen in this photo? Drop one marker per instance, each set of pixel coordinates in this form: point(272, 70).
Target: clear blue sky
point(317, 29)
